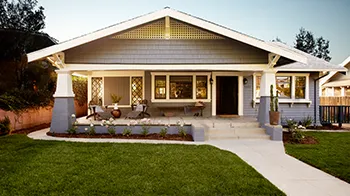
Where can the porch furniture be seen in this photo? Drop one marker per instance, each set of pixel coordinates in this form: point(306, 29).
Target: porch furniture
point(138, 111)
point(98, 112)
point(197, 110)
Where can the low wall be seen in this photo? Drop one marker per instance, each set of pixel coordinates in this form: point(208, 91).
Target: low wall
point(35, 117)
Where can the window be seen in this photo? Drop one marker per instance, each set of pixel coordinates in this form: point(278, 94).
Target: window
point(181, 87)
point(201, 85)
point(300, 85)
point(291, 87)
point(283, 86)
point(160, 87)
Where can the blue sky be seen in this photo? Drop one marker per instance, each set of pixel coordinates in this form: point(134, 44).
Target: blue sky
point(263, 19)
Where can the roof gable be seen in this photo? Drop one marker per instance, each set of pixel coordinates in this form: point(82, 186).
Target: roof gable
point(166, 12)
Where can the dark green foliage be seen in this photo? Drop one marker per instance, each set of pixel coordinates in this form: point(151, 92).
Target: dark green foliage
point(330, 155)
point(306, 42)
point(163, 131)
point(273, 100)
point(80, 89)
point(111, 130)
point(306, 121)
point(72, 130)
point(5, 125)
point(127, 131)
point(32, 167)
point(297, 136)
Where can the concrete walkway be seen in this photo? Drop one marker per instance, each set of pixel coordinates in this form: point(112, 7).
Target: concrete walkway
point(268, 157)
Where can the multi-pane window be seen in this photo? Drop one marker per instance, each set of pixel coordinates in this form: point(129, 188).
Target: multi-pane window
point(201, 85)
point(136, 90)
point(181, 87)
point(283, 86)
point(300, 87)
point(288, 87)
point(160, 87)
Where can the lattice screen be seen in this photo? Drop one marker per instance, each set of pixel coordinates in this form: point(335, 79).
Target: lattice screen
point(178, 30)
point(136, 90)
point(155, 30)
point(96, 93)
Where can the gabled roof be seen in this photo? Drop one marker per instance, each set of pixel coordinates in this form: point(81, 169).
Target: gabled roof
point(332, 73)
point(158, 15)
point(313, 63)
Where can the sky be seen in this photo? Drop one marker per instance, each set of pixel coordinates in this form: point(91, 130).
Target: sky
point(263, 19)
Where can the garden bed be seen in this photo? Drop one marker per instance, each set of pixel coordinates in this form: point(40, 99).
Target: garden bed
point(287, 138)
point(152, 136)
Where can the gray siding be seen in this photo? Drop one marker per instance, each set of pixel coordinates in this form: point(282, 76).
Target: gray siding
point(119, 86)
point(138, 51)
point(296, 112)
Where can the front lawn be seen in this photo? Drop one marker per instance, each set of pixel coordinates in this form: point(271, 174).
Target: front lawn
point(29, 167)
point(331, 155)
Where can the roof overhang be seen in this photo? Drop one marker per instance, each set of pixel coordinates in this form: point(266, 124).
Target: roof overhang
point(332, 73)
point(36, 55)
point(338, 83)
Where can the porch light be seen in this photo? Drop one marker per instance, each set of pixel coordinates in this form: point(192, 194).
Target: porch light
point(211, 80)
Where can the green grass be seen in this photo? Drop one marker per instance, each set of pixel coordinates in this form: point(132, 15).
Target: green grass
point(29, 167)
point(331, 155)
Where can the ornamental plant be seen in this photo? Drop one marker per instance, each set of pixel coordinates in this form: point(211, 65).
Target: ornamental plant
point(164, 131)
point(273, 100)
point(146, 125)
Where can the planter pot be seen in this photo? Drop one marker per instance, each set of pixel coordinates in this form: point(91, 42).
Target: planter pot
point(274, 118)
point(116, 113)
point(115, 106)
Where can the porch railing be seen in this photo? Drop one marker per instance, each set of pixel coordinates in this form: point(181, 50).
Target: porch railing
point(334, 114)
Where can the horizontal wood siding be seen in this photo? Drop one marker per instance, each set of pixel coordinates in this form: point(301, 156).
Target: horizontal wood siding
point(137, 51)
point(119, 86)
point(297, 111)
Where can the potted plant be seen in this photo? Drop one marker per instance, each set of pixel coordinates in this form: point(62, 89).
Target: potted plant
point(115, 99)
point(274, 113)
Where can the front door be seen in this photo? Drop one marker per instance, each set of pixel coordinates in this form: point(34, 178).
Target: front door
point(226, 95)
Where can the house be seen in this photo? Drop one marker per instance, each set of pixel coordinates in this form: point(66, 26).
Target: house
point(174, 59)
point(337, 84)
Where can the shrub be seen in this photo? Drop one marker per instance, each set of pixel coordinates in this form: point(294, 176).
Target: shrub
point(5, 125)
point(163, 131)
point(181, 131)
point(91, 130)
point(72, 130)
point(127, 131)
point(80, 89)
point(297, 136)
point(292, 124)
point(111, 130)
point(306, 121)
point(145, 128)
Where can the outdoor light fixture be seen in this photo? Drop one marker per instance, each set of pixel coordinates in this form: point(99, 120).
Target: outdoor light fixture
point(245, 80)
point(211, 80)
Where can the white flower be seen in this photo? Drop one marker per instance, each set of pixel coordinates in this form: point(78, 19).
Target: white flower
point(73, 115)
point(182, 125)
point(101, 124)
point(76, 122)
point(103, 121)
point(91, 125)
point(86, 129)
point(159, 122)
point(128, 124)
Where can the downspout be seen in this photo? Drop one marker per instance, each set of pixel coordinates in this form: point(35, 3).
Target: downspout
point(315, 90)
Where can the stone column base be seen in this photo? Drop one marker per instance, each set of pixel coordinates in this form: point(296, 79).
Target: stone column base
point(62, 114)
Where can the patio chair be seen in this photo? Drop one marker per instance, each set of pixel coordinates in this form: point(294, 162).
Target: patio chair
point(98, 112)
point(138, 111)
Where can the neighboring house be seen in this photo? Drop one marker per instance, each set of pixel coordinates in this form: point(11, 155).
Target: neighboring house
point(173, 59)
point(337, 84)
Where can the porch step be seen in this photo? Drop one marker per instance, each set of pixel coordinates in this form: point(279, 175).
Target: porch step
point(241, 136)
point(243, 132)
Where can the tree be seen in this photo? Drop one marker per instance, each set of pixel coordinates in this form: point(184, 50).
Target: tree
point(22, 15)
point(306, 42)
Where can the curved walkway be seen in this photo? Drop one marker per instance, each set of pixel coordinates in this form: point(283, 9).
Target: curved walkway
point(268, 157)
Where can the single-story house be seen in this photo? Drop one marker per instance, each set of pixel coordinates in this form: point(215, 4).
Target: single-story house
point(174, 59)
point(337, 84)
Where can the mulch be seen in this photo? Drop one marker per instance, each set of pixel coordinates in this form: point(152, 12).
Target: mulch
point(287, 138)
point(153, 136)
point(31, 129)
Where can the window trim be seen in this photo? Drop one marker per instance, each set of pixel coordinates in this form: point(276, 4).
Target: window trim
point(194, 86)
point(291, 100)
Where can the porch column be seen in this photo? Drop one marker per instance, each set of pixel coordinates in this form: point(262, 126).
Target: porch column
point(267, 79)
point(64, 103)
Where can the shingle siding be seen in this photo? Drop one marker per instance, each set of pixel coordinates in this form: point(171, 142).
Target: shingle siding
point(138, 51)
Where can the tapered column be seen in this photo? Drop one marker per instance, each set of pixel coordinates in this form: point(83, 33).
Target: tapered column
point(268, 78)
point(64, 103)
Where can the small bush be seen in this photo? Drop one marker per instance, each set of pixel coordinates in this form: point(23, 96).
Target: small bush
point(297, 136)
point(292, 124)
point(111, 130)
point(72, 130)
point(307, 121)
point(5, 125)
point(91, 131)
point(127, 131)
point(181, 131)
point(163, 131)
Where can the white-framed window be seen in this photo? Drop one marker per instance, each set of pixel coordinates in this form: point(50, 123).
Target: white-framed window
point(290, 87)
point(180, 86)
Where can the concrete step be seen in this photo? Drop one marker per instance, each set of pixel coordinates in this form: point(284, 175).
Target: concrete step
point(240, 136)
point(233, 125)
point(251, 130)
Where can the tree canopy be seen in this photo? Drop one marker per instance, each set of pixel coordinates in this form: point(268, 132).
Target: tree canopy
point(306, 42)
point(22, 15)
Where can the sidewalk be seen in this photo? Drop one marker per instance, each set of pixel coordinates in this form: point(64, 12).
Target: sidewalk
point(268, 157)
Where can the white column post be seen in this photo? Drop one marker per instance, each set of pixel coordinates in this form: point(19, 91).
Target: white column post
point(268, 78)
point(240, 96)
point(64, 103)
point(342, 91)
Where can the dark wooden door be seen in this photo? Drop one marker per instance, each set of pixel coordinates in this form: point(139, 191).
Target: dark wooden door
point(226, 95)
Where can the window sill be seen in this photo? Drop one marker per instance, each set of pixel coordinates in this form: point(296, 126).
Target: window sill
point(179, 100)
point(291, 102)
